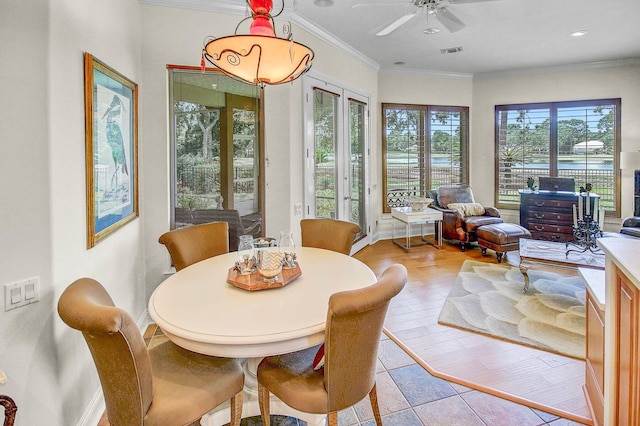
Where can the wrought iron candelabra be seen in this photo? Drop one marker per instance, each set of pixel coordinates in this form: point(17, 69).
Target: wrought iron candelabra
point(585, 232)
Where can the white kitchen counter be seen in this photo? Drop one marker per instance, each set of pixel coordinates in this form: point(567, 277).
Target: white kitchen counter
point(625, 253)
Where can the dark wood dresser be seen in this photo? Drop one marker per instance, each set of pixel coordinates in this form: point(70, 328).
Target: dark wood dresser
point(548, 215)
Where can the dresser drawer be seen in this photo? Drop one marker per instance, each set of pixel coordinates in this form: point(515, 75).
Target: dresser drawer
point(548, 227)
point(551, 203)
point(550, 236)
point(550, 216)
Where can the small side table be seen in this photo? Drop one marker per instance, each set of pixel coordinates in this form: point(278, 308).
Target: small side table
point(408, 217)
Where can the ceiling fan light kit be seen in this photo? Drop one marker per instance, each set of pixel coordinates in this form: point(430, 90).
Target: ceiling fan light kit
point(435, 8)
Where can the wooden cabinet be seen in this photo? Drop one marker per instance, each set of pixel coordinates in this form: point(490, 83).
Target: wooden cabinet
point(594, 362)
point(622, 331)
point(627, 352)
point(548, 215)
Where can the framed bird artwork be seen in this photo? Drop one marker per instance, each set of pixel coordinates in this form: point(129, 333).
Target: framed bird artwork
point(111, 145)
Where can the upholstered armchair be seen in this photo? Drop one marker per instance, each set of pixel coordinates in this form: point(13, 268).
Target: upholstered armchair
point(631, 226)
point(461, 215)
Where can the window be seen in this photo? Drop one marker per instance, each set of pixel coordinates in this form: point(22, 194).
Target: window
point(216, 149)
point(424, 147)
point(577, 139)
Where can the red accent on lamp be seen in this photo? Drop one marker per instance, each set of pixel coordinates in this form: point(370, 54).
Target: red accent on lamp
point(261, 7)
point(262, 26)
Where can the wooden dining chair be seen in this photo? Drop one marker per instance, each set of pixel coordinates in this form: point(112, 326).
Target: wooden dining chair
point(354, 324)
point(195, 243)
point(330, 234)
point(163, 385)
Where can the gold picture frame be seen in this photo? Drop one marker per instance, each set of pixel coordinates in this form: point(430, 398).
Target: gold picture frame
point(111, 149)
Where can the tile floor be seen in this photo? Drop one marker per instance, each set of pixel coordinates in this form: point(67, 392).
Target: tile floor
point(409, 396)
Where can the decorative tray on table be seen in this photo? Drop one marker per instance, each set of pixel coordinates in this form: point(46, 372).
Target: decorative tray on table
point(255, 281)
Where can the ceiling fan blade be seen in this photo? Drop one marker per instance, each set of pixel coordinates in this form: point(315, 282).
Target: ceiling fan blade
point(396, 24)
point(449, 20)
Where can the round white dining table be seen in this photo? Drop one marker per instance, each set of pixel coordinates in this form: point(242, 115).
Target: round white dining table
point(199, 310)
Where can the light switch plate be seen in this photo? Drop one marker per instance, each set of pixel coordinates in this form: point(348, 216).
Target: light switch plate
point(21, 293)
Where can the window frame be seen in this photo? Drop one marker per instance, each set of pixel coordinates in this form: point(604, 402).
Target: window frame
point(261, 150)
point(424, 137)
point(553, 144)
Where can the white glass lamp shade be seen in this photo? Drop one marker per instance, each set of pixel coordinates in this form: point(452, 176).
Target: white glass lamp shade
point(259, 59)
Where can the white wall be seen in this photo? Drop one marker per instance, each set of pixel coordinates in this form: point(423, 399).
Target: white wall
point(43, 231)
point(619, 82)
point(481, 95)
point(26, 341)
point(418, 90)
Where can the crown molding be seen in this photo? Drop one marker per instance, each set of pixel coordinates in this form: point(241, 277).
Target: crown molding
point(219, 6)
point(428, 73)
point(557, 69)
point(236, 8)
point(328, 38)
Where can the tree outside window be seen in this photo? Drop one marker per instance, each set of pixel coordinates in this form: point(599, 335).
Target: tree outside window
point(424, 147)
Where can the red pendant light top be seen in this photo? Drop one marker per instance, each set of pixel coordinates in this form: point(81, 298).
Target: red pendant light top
point(261, 24)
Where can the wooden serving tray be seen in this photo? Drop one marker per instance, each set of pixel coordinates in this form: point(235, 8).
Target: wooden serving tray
point(254, 281)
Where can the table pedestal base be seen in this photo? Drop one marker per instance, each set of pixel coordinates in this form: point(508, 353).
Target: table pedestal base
point(250, 407)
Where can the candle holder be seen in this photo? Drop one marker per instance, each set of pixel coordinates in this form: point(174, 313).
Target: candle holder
point(585, 232)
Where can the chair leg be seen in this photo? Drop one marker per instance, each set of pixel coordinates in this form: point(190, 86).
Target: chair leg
point(373, 397)
point(264, 402)
point(236, 409)
point(332, 418)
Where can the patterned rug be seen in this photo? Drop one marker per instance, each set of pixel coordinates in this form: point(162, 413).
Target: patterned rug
point(487, 298)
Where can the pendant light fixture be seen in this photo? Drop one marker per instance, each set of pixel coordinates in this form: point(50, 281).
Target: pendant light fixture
point(259, 57)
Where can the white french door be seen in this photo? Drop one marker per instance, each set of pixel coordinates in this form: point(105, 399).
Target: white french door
point(336, 155)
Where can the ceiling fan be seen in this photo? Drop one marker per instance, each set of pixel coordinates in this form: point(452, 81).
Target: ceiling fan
point(431, 8)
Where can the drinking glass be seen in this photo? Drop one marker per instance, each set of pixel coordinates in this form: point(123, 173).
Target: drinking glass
point(246, 262)
point(288, 249)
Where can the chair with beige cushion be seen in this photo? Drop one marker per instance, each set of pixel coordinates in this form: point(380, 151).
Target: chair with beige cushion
point(330, 234)
point(162, 386)
point(461, 215)
point(354, 323)
point(195, 243)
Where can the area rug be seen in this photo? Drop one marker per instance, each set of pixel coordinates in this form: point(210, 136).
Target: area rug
point(487, 298)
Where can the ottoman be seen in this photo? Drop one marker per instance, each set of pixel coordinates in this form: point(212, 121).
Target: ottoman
point(501, 238)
